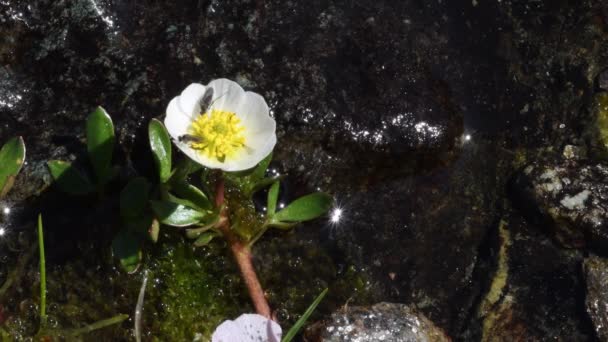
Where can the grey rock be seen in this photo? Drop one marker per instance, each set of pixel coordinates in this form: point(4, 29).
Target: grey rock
point(570, 196)
point(596, 275)
point(381, 322)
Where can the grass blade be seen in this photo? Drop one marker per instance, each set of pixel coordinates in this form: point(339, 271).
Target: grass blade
point(300, 323)
point(43, 317)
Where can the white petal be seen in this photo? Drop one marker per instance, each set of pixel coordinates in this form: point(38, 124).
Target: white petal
point(254, 112)
point(228, 331)
point(251, 157)
point(188, 100)
point(227, 94)
point(199, 157)
point(176, 121)
point(248, 328)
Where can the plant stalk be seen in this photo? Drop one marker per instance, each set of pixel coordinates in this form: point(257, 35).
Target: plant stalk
point(243, 257)
point(43, 317)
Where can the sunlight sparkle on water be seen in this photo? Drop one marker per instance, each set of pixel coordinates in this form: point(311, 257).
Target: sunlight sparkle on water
point(336, 215)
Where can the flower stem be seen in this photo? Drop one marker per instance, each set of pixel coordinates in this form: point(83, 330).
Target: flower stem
point(242, 254)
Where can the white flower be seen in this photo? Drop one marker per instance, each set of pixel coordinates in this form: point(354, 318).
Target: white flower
point(234, 132)
point(248, 328)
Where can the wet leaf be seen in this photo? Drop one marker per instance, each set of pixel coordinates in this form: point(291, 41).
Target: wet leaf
point(68, 179)
point(193, 233)
point(126, 247)
point(160, 144)
point(176, 215)
point(192, 194)
point(100, 144)
point(12, 157)
point(260, 170)
point(273, 196)
point(305, 208)
point(134, 197)
point(204, 239)
point(184, 168)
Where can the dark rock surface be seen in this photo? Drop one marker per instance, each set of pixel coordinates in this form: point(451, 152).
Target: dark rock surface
point(410, 112)
point(571, 196)
point(536, 290)
point(380, 322)
point(596, 275)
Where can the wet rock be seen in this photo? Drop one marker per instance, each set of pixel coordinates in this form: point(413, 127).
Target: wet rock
point(597, 130)
point(602, 80)
point(420, 236)
point(570, 197)
point(596, 275)
point(380, 322)
point(536, 290)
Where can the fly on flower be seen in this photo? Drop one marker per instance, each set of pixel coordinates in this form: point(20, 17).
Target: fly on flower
point(221, 126)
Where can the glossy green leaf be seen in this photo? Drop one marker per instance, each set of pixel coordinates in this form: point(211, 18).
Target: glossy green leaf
point(12, 157)
point(184, 168)
point(160, 144)
point(204, 239)
point(100, 144)
point(273, 196)
point(260, 170)
point(134, 197)
point(126, 247)
point(305, 208)
point(300, 323)
point(68, 179)
point(194, 233)
point(192, 194)
point(176, 215)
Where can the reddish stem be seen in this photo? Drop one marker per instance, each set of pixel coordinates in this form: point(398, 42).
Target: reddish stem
point(243, 257)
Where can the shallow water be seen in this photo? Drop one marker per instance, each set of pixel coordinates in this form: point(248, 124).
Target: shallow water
point(417, 116)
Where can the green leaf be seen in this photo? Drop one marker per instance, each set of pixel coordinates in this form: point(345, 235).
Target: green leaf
point(192, 194)
point(176, 215)
point(194, 233)
point(305, 208)
point(134, 197)
point(12, 157)
point(100, 144)
point(300, 323)
point(160, 144)
point(273, 196)
point(126, 247)
point(185, 167)
point(68, 179)
point(260, 170)
point(204, 239)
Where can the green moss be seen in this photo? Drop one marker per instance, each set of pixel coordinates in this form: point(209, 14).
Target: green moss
point(294, 270)
point(197, 290)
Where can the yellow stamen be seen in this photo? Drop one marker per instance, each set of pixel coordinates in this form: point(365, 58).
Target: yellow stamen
point(219, 134)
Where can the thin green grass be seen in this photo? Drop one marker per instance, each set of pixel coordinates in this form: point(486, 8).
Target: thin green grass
point(43, 317)
point(300, 323)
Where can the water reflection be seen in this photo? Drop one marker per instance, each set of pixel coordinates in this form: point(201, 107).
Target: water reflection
point(336, 215)
point(103, 17)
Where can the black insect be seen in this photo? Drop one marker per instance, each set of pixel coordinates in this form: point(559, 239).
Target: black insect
point(189, 138)
point(205, 102)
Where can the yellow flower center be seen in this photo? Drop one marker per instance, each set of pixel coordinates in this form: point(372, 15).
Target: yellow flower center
point(217, 134)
